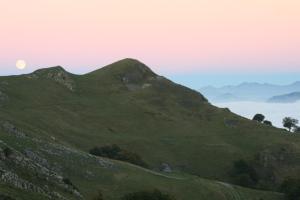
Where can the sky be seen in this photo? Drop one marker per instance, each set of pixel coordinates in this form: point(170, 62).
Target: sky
point(194, 42)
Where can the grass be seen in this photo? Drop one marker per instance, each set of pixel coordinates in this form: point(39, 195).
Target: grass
point(127, 104)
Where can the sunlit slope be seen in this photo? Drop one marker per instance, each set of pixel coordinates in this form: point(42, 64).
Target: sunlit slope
point(127, 104)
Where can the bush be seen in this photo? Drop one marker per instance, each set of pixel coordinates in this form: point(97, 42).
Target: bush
point(147, 195)
point(115, 152)
point(259, 117)
point(244, 174)
point(269, 123)
point(7, 152)
point(68, 182)
point(291, 188)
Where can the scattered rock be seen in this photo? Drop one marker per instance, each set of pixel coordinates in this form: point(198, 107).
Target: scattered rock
point(231, 122)
point(164, 167)
point(13, 179)
point(57, 74)
point(12, 129)
point(62, 78)
point(36, 158)
point(3, 97)
point(37, 165)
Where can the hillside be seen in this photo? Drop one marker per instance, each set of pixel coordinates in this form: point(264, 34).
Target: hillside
point(286, 98)
point(53, 118)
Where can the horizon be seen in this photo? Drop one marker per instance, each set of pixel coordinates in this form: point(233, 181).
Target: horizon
point(192, 80)
point(180, 40)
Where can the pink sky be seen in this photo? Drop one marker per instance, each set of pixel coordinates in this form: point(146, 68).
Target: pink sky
point(177, 35)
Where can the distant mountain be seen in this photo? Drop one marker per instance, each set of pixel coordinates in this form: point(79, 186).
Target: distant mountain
point(286, 98)
point(248, 91)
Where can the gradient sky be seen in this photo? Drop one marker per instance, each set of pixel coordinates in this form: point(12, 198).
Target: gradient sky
point(178, 38)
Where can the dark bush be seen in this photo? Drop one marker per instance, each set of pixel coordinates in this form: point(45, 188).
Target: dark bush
point(7, 152)
point(291, 188)
point(269, 123)
point(115, 152)
point(68, 182)
point(259, 117)
point(148, 195)
point(244, 174)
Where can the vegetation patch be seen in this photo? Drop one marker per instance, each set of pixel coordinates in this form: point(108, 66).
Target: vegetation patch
point(115, 152)
point(244, 174)
point(291, 188)
point(148, 195)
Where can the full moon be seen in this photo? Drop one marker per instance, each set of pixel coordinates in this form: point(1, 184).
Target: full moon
point(21, 64)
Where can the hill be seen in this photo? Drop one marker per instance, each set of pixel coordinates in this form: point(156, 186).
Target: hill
point(51, 118)
point(248, 91)
point(286, 98)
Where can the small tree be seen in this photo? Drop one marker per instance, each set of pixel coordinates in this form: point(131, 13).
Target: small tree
point(269, 123)
point(289, 122)
point(259, 117)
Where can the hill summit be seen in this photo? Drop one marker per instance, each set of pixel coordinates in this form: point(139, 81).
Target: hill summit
point(51, 120)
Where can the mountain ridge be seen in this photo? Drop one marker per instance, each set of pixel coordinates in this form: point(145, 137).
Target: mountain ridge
point(285, 98)
point(249, 91)
point(54, 125)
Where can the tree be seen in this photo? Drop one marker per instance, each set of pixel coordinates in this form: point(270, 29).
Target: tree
point(289, 122)
point(266, 122)
point(259, 117)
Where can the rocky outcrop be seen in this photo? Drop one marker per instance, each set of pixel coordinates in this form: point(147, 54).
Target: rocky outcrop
point(57, 74)
point(62, 78)
point(165, 167)
point(13, 179)
point(37, 165)
point(11, 129)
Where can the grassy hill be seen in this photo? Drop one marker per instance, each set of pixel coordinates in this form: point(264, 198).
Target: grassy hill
point(59, 117)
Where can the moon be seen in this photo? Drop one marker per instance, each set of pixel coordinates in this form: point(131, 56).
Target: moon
point(21, 64)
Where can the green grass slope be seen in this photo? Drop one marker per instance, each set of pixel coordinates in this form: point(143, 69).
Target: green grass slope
point(127, 104)
point(43, 164)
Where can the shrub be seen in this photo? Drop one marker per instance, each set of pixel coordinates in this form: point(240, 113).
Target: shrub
point(115, 152)
point(7, 152)
point(269, 123)
point(259, 117)
point(68, 182)
point(148, 195)
point(244, 174)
